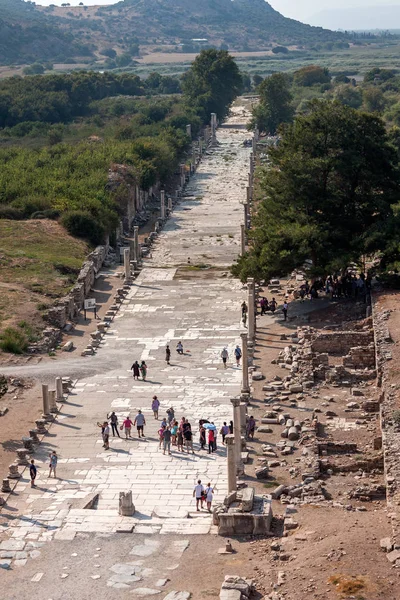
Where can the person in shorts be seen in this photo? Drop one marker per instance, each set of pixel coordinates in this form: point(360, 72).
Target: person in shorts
point(155, 405)
point(140, 422)
point(127, 424)
point(224, 431)
point(188, 437)
point(224, 356)
point(198, 493)
point(167, 440)
point(53, 463)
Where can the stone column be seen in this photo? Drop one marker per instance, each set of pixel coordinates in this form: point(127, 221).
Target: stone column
point(189, 131)
point(243, 421)
point(252, 317)
point(231, 459)
point(246, 215)
point(194, 158)
point(248, 197)
point(136, 243)
point(170, 203)
point(237, 432)
point(46, 406)
point(176, 194)
point(127, 263)
point(52, 401)
point(59, 390)
point(162, 204)
point(242, 239)
point(213, 126)
point(245, 364)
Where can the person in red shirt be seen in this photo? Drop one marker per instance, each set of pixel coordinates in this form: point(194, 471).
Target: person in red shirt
point(211, 440)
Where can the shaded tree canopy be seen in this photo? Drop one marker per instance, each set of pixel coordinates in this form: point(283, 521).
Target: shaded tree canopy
point(212, 83)
point(327, 196)
point(275, 106)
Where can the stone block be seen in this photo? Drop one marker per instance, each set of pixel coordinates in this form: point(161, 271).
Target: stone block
point(262, 472)
point(393, 556)
point(386, 544)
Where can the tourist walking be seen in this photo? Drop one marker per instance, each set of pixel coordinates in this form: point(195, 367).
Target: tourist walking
point(209, 496)
point(167, 440)
point(198, 493)
point(140, 422)
point(53, 462)
point(224, 431)
point(161, 436)
point(179, 348)
point(174, 432)
point(167, 355)
point(238, 355)
point(251, 426)
point(188, 437)
point(179, 440)
point(273, 305)
point(170, 415)
point(135, 368)
point(224, 356)
point(202, 437)
point(211, 440)
point(143, 370)
point(33, 473)
point(244, 313)
point(155, 405)
point(127, 425)
point(284, 310)
point(114, 424)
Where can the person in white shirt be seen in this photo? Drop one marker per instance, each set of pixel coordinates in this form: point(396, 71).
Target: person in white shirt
point(198, 493)
point(140, 422)
point(209, 496)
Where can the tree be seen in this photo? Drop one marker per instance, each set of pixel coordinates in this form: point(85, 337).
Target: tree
point(374, 100)
point(212, 83)
point(328, 191)
point(348, 95)
point(257, 79)
point(311, 75)
point(280, 50)
point(275, 104)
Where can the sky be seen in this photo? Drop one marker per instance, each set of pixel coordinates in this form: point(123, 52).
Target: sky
point(339, 13)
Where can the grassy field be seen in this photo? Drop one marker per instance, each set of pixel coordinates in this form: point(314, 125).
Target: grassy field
point(356, 60)
point(38, 263)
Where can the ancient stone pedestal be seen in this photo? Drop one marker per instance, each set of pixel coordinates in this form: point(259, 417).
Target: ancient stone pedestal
point(245, 365)
point(126, 506)
point(136, 244)
point(52, 401)
point(231, 459)
point(13, 472)
point(169, 203)
point(6, 486)
point(33, 434)
point(59, 390)
point(40, 426)
point(237, 435)
point(28, 444)
point(22, 454)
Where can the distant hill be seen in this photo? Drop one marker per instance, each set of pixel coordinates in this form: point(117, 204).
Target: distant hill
point(30, 33)
point(367, 18)
point(236, 23)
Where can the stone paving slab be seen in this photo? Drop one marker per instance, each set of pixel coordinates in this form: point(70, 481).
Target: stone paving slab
point(163, 306)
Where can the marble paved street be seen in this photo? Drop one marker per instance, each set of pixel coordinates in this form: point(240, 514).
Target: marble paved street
point(170, 301)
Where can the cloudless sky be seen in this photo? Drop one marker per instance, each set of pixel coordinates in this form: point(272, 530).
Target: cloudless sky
point(304, 9)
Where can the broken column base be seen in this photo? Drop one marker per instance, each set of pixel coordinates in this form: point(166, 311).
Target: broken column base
point(126, 506)
point(244, 514)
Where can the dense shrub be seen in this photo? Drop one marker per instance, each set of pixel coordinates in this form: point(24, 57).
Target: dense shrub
point(13, 341)
point(9, 212)
point(82, 224)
